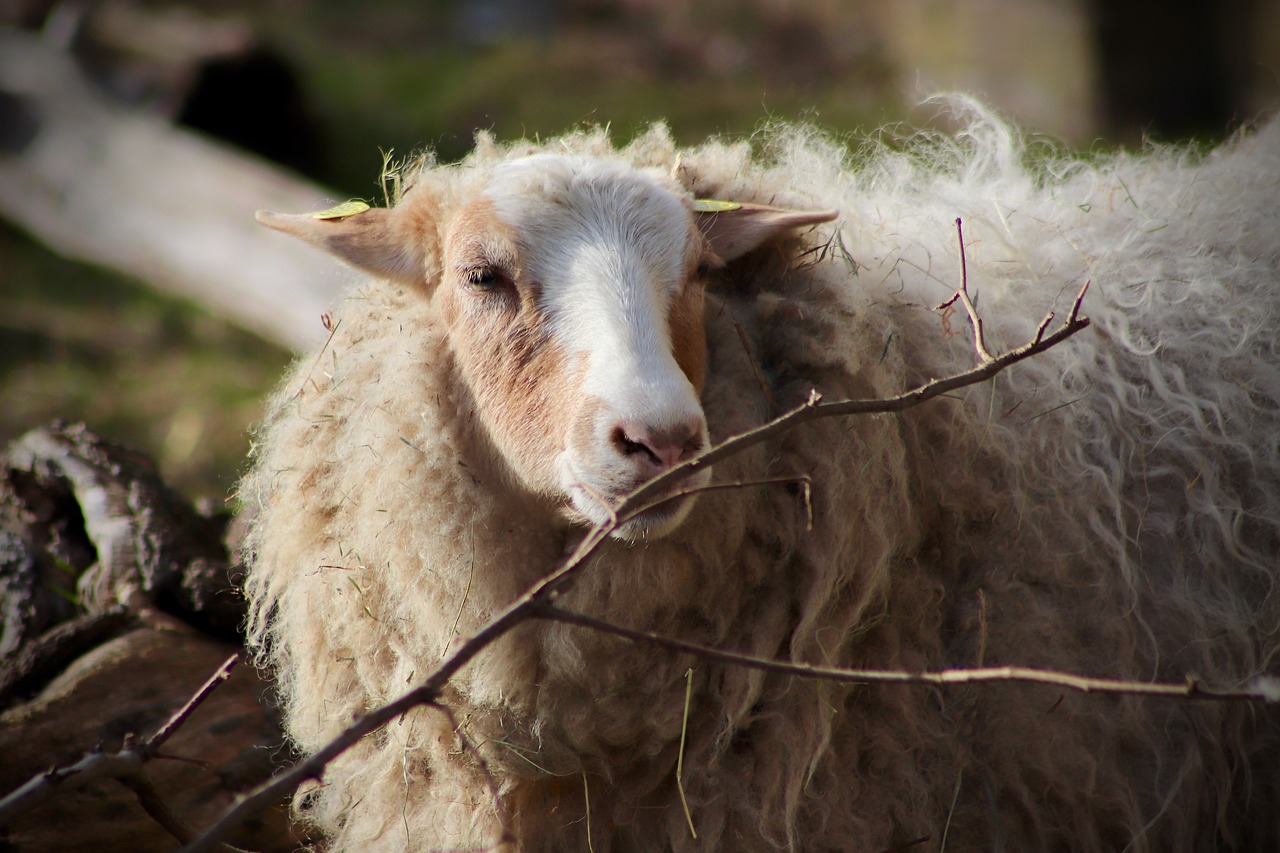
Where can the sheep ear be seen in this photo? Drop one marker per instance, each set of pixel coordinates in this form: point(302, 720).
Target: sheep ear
point(383, 241)
point(735, 228)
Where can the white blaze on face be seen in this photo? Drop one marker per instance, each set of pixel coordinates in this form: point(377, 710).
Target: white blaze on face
point(609, 249)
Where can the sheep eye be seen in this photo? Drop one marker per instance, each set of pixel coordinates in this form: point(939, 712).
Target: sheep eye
point(484, 278)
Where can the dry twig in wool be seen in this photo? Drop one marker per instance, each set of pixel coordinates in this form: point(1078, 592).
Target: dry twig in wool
point(128, 766)
point(1264, 689)
point(539, 601)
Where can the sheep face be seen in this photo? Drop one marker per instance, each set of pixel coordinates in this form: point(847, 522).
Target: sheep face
point(572, 292)
point(574, 306)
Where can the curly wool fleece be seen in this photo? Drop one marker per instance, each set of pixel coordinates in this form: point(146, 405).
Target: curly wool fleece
point(1111, 507)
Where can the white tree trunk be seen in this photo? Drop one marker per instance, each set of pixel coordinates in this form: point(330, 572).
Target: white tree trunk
point(100, 183)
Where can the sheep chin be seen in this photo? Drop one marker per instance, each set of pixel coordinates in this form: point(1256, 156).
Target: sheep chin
point(652, 524)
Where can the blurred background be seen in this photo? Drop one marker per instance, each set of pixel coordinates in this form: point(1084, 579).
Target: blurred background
point(323, 89)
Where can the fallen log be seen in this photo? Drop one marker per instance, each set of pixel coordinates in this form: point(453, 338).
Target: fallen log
point(117, 187)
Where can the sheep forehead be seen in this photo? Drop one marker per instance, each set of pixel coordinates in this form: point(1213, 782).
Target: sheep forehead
point(608, 245)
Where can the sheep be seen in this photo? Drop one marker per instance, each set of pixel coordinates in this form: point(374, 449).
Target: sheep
point(545, 325)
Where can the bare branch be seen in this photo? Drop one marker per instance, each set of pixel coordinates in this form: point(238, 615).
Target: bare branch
point(490, 781)
point(801, 480)
point(95, 766)
point(755, 368)
point(1257, 690)
point(901, 848)
point(312, 767)
point(127, 766)
point(813, 408)
point(155, 806)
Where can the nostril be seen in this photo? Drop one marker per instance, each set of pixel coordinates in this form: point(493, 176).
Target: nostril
point(662, 448)
point(628, 446)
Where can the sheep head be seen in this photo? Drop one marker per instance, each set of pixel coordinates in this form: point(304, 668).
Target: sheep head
point(572, 291)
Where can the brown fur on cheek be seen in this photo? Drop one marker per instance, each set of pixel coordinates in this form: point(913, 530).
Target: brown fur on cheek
point(688, 335)
point(524, 384)
point(519, 379)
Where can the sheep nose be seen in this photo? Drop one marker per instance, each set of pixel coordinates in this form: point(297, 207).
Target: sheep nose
point(658, 448)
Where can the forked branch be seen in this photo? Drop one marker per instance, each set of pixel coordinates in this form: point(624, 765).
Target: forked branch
point(962, 294)
point(814, 408)
point(125, 766)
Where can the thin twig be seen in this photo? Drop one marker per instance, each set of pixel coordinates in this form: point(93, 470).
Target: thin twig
point(802, 480)
point(519, 611)
point(490, 781)
point(457, 617)
point(955, 798)
point(982, 628)
point(1263, 689)
point(127, 766)
point(97, 765)
point(123, 764)
point(156, 808)
point(586, 799)
point(755, 368)
point(180, 716)
point(333, 330)
point(813, 408)
point(962, 294)
point(684, 730)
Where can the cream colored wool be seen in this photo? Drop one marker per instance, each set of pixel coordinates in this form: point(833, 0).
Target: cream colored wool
point(1111, 507)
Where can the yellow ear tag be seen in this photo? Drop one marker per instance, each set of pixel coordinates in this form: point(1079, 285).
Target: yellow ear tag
point(342, 211)
point(710, 205)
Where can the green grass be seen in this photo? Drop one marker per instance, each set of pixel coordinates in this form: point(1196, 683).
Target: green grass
point(82, 344)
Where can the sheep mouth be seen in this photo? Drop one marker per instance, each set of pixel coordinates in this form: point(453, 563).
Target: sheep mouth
point(663, 515)
point(658, 521)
